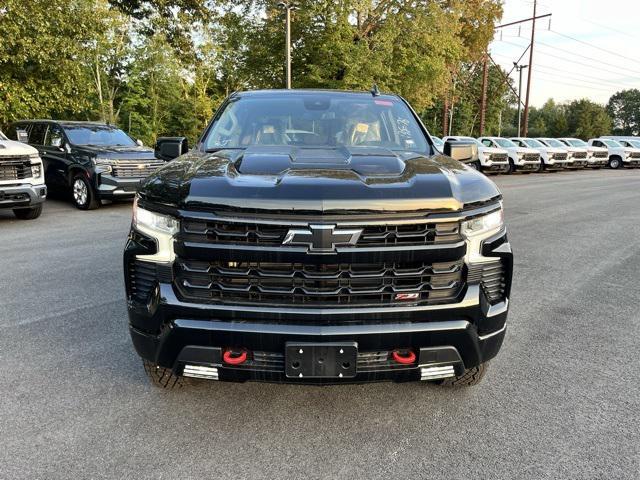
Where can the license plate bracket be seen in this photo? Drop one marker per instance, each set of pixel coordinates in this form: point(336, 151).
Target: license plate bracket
point(321, 360)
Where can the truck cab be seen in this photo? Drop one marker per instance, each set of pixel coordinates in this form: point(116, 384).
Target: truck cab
point(619, 155)
point(521, 159)
point(22, 187)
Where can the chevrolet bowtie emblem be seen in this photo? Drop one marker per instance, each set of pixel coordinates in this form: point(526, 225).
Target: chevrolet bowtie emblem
point(322, 238)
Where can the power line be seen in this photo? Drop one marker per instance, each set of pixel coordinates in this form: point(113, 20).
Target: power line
point(597, 61)
point(610, 52)
point(552, 71)
point(554, 80)
point(607, 27)
point(556, 69)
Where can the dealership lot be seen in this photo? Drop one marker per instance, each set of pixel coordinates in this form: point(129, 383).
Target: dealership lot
point(561, 400)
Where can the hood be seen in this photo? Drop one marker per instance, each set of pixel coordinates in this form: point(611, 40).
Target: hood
point(525, 150)
point(553, 149)
point(484, 149)
point(114, 152)
point(316, 180)
point(576, 149)
point(10, 148)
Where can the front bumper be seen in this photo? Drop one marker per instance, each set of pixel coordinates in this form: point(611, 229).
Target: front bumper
point(632, 162)
point(558, 164)
point(113, 188)
point(22, 195)
point(173, 333)
point(495, 167)
point(527, 166)
point(578, 163)
point(598, 162)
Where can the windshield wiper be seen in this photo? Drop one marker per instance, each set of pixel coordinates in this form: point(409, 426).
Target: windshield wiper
point(217, 149)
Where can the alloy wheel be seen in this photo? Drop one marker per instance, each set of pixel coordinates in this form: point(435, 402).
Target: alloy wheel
point(80, 192)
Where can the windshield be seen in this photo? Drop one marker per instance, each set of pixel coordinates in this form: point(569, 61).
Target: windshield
point(575, 142)
point(2, 136)
point(99, 135)
point(505, 142)
point(634, 143)
point(533, 143)
point(552, 142)
point(317, 121)
point(611, 143)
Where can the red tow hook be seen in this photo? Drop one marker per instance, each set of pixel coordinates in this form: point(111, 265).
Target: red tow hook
point(234, 357)
point(405, 357)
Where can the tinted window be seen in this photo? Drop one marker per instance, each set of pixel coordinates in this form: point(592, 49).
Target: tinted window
point(54, 136)
point(505, 142)
point(99, 135)
point(317, 121)
point(37, 134)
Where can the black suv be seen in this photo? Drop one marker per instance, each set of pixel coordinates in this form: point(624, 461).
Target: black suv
point(92, 161)
point(318, 236)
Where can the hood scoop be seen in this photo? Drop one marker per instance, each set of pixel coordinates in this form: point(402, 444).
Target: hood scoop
point(365, 161)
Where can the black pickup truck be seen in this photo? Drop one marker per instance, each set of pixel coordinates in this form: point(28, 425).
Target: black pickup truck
point(91, 161)
point(318, 237)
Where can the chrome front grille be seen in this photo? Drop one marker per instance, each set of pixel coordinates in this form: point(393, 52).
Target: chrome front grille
point(271, 235)
point(498, 157)
point(560, 156)
point(532, 157)
point(600, 155)
point(635, 155)
point(15, 168)
point(135, 168)
point(580, 155)
point(277, 283)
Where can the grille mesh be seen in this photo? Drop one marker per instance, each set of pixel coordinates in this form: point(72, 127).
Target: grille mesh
point(318, 285)
point(15, 168)
point(491, 277)
point(261, 234)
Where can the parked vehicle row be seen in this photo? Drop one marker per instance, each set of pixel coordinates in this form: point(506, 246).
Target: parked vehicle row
point(509, 155)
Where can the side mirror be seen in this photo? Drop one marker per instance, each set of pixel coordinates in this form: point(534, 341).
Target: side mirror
point(139, 143)
point(56, 142)
point(464, 151)
point(168, 148)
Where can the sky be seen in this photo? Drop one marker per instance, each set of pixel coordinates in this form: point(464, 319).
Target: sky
point(601, 57)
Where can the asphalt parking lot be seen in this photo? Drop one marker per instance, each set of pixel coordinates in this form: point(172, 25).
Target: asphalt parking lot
point(561, 400)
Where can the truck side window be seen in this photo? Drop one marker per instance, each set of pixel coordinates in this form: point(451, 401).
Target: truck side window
point(54, 137)
point(486, 142)
point(38, 132)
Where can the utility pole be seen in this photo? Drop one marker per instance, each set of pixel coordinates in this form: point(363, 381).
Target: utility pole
point(519, 68)
point(483, 99)
point(445, 115)
point(526, 100)
point(288, 8)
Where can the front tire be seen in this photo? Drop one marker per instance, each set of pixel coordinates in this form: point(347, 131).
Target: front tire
point(28, 213)
point(615, 163)
point(475, 165)
point(162, 377)
point(84, 197)
point(512, 168)
point(470, 377)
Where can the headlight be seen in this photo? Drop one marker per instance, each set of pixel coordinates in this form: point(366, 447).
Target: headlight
point(103, 165)
point(36, 170)
point(484, 225)
point(34, 156)
point(160, 227)
point(154, 222)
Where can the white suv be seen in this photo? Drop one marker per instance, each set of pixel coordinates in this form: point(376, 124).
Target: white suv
point(489, 159)
point(577, 156)
point(22, 187)
point(552, 158)
point(619, 155)
point(520, 158)
point(597, 157)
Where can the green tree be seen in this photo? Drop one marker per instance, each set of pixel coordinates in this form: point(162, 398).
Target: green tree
point(624, 109)
point(43, 58)
point(587, 119)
